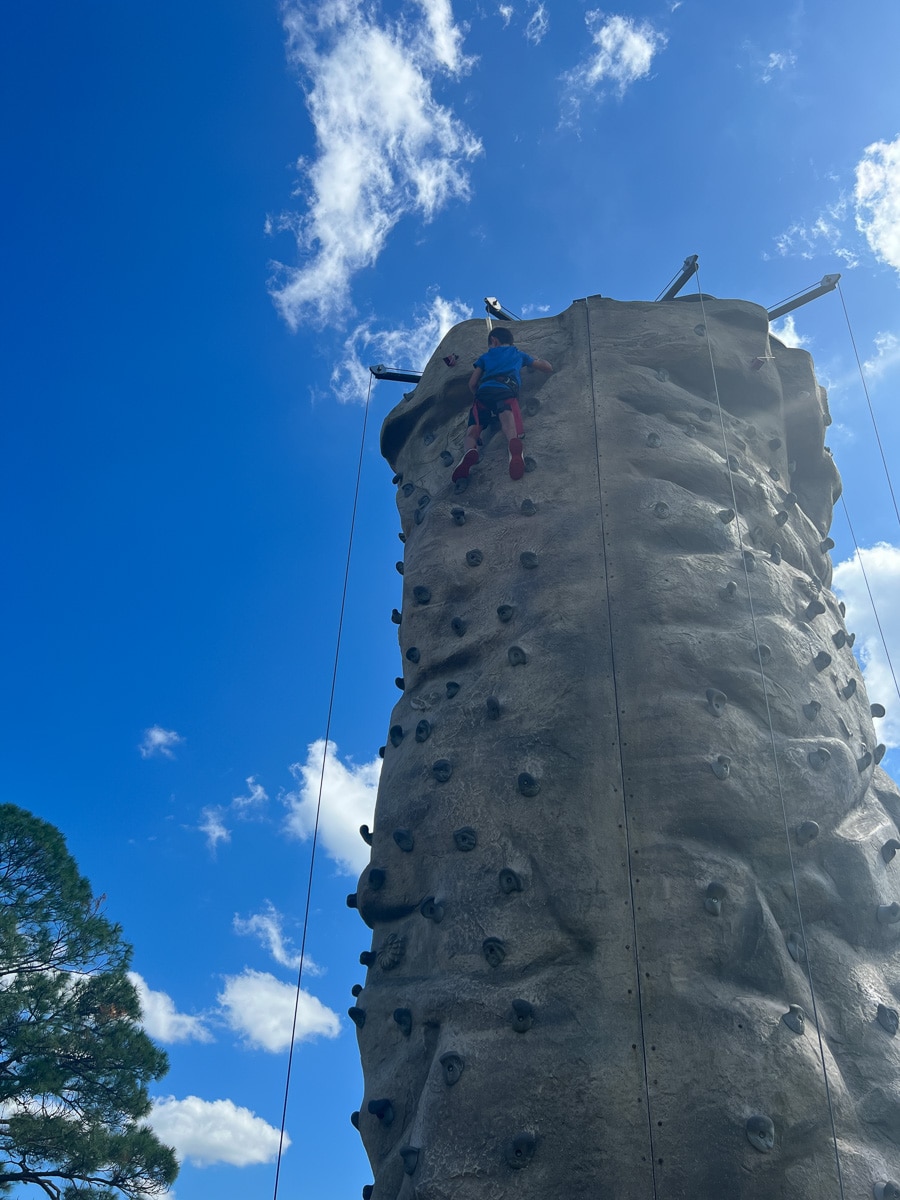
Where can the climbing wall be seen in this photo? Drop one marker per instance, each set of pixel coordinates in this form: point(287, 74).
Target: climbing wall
point(631, 892)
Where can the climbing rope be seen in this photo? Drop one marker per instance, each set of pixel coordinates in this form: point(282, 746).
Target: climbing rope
point(787, 833)
point(315, 836)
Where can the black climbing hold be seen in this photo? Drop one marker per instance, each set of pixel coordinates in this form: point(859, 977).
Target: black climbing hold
point(506, 612)
point(654, 440)
point(452, 689)
point(396, 735)
point(396, 616)
point(460, 486)
point(807, 831)
point(357, 1016)
point(402, 536)
point(381, 750)
point(365, 834)
point(368, 1191)
point(421, 594)
point(383, 1110)
point(410, 1156)
point(404, 840)
point(494, 951)
point(399, 566)
point(453, 1066)
point(377, 878)
point(459, 626)
point(812, 710)
point(826, 544)
point(492, 704)
point(432, 910)
point(796, 948)
point(761, 1133)
point(715, 894)
point(849, 688)
point(888, 914)
point(814, 609)
point(527, 784)
point(527, 508)
point(520, 1151)
point(530, 464)
point(408, 489)
point(368, 958)
point(465, 839)
point(352, 900)
point(790, 499)
point(781, 518)
point(424, 500)
point(851, 638)
point(864, 762)
point(354, 1119)
point(822, 660)
point(442, 770)
point(842, 608)
point(764, 654)
point(795, 1019)
point(474, 558)
point(721, 768)
point(391, 952)
point(509, 882)
point(729, 590)
point(888, 1018)
point(517, 656)
point(749, 560)
point(887, 1190)
point(819, 758)
point(397, 479)
point(403, 1017)
point(889, 849)
point(398, 682)
point(522, 1016)
point(877, 710)
point(775, 553)
point(413, 654)
point(726, 515)
point(458, 515)
point(528, 559)
point(423, 730)
point(716, 701)
point(774, 474)
point(879, 752)
point(839, 639)
point(774, 443)
point(356, 990)
point(661, 510)
point(428, 437)
point(446, 458)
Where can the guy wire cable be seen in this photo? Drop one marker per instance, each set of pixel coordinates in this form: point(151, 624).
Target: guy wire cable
point(312, 857)
point(765, 689)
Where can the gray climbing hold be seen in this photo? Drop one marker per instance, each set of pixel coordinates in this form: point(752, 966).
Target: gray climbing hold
point(877, 710)
point(775, 443)
point(442, 770)
point(721, 768)
point(404, 840)
point(522, 1016)
point(705, 414)
point(366, 834)
point(812, 710)
point(527, 784)
point(795, 1019)
point(530, 464)
point(494, 951)
point(383, 1110)
point(453, 1066)
point(492, 704)
point(790, 499)
point(532, 407)
point(792, 466)
point(396, 616)
point(726, 515)
point(377, 879)
point(446, 457)
point(527, 508)
point(528, 559)
point(842, 608)
point(421, 594)
point(796, 948)
point(506, 612)
point(474, 558)
point(734, 462)
point(357, 1016)
point(517, 656)
point(819, 758)
point(822, 660)
point(775, 553)
point(452, 689)
point(700, 330)
point(781, 518)
point(520, 1151)
point(408, 489)
point(879, 752)
point(465, 839)
point(509, 882)
point(432, 910)
point(774, 474)
point(396, 735)
point(888, 914)
point(413, 654)
point(398, 682)
point(889, 849)
point(716, 701)
point(458, 515)
point(403, 1017)
point(729, 590)
point(806, 832)
point(661, 510)
point(368, 958)
point(863, 763)
point(851, 638)
point(763, 654)
point(459, 626)
point(715, 894)
point(826, 544)
point(423, 730)
point(814, 609)
point(654, 440)
point(399, 566)
point(887, 1190)
point(352, 901)
point(888, 1019)
point(391, 952)
point(749, 560)
point(849, 689)
point(761, 1134)
point(410, 1156)
point(839, 639)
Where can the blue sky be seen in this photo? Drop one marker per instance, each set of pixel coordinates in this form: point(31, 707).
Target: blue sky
point(217, 215)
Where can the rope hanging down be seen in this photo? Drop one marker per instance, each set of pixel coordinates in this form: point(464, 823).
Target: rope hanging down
point(315, 836)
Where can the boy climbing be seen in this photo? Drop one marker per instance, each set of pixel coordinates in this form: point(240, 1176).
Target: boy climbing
point(495, 384)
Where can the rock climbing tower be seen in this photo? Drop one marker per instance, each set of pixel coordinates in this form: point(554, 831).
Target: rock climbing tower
point(632, 892)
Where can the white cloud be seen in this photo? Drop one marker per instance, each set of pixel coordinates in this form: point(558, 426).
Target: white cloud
point(528, 309)
point(826, 234)
point(256, 796)
point(161, 1019)
point(538, 25)
point(348, 801)
point(260, 1008)
point(241, 808)
point(267, 927)
point(159, 742)
point(214, 827)
point(886, 356)
point(408, 348)
point(214, 1131)
point(786, 332)
point(877, 197)
point(506, 11)
point(385, 148)
point(778, 62)
point(882, 567)
point(623, 54)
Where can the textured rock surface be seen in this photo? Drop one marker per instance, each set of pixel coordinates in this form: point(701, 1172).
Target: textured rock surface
point(630, 722)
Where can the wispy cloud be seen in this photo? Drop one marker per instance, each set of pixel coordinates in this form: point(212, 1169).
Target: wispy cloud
point(207, 1132)
point(247, 807)
point(538, 24)
point(268, 928)
point(386, 148)
point(159, 743)
point(348, 801)
point(787, 333)
point(826, 233)
point(623, 53)
point(260, 1008)
point(506, 11)
point(885, 358)
point(877, 196)
point(162, 1020)
point(777, 63)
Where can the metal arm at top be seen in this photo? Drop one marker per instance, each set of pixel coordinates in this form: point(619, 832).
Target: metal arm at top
point(828, 284)
point(691, 266)
point(495, 309)
point(383, 372)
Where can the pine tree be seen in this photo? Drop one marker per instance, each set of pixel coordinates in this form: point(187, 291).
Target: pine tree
point(74, 1060)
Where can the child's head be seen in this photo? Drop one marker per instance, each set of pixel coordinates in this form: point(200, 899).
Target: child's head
point(502, 334)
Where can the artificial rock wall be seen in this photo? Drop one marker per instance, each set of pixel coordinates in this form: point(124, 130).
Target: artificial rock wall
point(631, 723)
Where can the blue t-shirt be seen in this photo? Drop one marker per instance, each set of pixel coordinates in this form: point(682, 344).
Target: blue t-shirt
point(501, 362)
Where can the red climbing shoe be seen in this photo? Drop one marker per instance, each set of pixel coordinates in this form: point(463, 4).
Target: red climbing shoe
point(467, 462)
point(516, 461)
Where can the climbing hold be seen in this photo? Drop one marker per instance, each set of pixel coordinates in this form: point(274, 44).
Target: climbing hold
point(654, 440)
point(877, 710)
point(357, 1016)
point(530, 464)
point(527, 784)
point(410, 1156)
point(494, 951)
point(662, 374)
point(354, 1119)
point(509, 882)
point(465, 839)
point(527, 508)
point(826, 544)
point(764, 653)
point(848, 689)
point(734, 462)
point(790, 499)
point(774, 474)
point(806, 832)
point(822, 660)
point(520, 1151)
point(705, 414)
point(505, 612)
point(368, 958)
point(391, 952)
point(459, 626)
point(352, 900)
point(532, 407)
point(474, 558)
point(749, 560)
point(721, 768)
point(419, 516)
point(819, 758)
point(365, 834)
point(408, 489)
point(517, 656)
point(888, 914)
point(661, 509)
point(398, 682)
point(729, 590)
point(839, 639)
point(452, 689)
point(396, 616)
point(383, 1110)
point(864, 762)
point(422, 594)
point(402, 536)
point(356, 990)
point(842, 608)
point(442, 770)
point(423, 730)
point(397, 479)
point(812, 710)
point(396, 735)
point(796, 948)
point(715, 894)
point(460, 486)
point(792, 466)
point(431, 910)
point(399, 566)
point(528, 559)
point(879, 752)
point(851, 638)
point(726, 515)
point(458, 515)
point(775, 553)
point(424, 500)
point(377, 879)
point(781, 518)
point(716, 701)
point(452, 1066)
point(522, 1016)
point(761, 1133)
point(404, 840)
point(795, 1019)
point(889, 849)
point(446, 457)
point(700, 330)
point(403, 1017)
point(413, 654)
point(492, 704)
point(775, 443)
point(845, 728)
point(887, 1190)
point(888, 1019)
point(367, 1191)
point(814, 609)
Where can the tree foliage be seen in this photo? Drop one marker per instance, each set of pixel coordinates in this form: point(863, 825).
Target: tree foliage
point(74, 1060)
